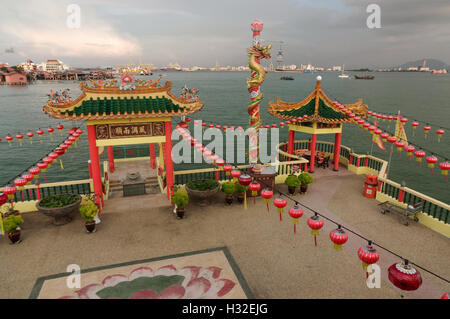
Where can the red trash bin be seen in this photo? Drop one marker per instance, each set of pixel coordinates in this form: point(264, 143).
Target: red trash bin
point(370, 186)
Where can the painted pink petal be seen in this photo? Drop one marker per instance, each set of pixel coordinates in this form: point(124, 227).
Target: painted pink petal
point(168, 270)
point(68, 297)
point(173, 292)
point(197, 288)
point(189, 273)
point(219, 288)
point(113, 280)
point(210, 273)
point(140, 272)
point(145, 294)
point(89, 292)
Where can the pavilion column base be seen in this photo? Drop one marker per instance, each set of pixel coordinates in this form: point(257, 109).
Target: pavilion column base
point(336, 170)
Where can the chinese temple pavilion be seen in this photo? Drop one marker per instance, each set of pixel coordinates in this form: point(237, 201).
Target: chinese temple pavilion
point(122, 113)
point(317, 114)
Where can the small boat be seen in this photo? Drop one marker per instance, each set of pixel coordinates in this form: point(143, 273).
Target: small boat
point(342, 75)
point(286, 78)
point(365, 77)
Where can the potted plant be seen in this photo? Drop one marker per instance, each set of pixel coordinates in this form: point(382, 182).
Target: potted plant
point(181, 199)
point(88, 211)
point(61, 207)
point(11, 226)
point(202, 189)
point(240, 190)
point(228, 188)
point(292, 182)
point(305, 179)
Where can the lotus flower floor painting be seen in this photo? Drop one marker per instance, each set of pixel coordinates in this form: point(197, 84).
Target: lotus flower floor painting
point(186, 276)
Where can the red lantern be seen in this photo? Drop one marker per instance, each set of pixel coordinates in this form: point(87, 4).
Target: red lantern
point(245, 180)
point(431, 160)
point(20, 138)
point(368, 255)
point(400, 145)
point(254, 187)
point(288, 122)
point(280, 203)
point(3, 198)
point(267, 194)
point(295, 212)
point(419, 155)
point(404, 276)
point(371, 128)
point(315, 223)
point(220, 162)
point(59, 151)
point(9, 138)
point(369, 113)
point(30, 136)
point(366, 126)
point(235, 174)
point(409, 150)
point(403, 120)
point(40, 133)
point(390, 118)
point(444, 166)
point(10, 191)
point(227, 168)
point(60, 127)
point(35, 172)
point(28, 177)
point(426, 129)
point(79, 131)
point(415, 125)
point(356, 118)
point(391, 139)
point(446, 295)
point(339, 237)
point(377, 131)
point(43, 168)
point(384, 136)
point(439, 133)
point(20, 183)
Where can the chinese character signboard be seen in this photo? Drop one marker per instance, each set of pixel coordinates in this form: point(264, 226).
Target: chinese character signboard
point(127, 130)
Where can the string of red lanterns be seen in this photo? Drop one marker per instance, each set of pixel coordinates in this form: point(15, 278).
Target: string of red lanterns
point(30, 134)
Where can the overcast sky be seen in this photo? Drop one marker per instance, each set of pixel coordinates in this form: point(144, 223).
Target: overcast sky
point(199, 32)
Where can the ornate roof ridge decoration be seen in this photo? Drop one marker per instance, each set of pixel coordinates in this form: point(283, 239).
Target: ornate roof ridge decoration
point(280, 107)
point(113, 103)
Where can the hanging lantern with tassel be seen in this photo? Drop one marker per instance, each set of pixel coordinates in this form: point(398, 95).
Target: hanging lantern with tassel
point(439, 133)
point(384, 136)
point(60, 128)
point(426, 130)
point(20, 183)
point(280, 203)
point(227, 168)
point(20, 138)
point(30, 136)
point(40, 133)
point(444, 166)
point(409, 150)
point(254, 187)
point(245, 180)
point(235, 174)
point(315, 223)
point(295, 212)
point(9, 139)
point(43, 167)
point(59, 151)
point(400, 146)
point(404, 276)
point(339, 237)
point(10, 191)
point(431, 160)
point(368, 255)
point(419, 155)
point(35, 172)
point(267, 194)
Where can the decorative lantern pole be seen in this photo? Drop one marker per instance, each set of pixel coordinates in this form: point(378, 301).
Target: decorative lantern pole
point(257, 75)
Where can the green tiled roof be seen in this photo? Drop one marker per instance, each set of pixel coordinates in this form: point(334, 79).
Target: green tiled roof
point(328, 113)
point(120, 106)
point(307, 109)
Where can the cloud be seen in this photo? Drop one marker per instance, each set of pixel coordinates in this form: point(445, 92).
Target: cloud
point(41, 29)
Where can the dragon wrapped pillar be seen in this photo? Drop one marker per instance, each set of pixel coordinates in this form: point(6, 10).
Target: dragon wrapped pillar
point(257, 75)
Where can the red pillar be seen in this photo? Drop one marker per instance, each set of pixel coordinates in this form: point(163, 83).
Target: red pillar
point(291, 142)
point(95, 165)
point(401, 195)
point(168, 158)
point(313, 153)
point(152, 155)
point(337, 150)
point(357, 162)
point(111, 159)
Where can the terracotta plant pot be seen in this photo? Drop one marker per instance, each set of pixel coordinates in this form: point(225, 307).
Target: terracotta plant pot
point(90, 226)
point(291, 190)
point(202, 196)
point(240, 198)
point(14, 237)
point(229, 199)
point(180, 213)
point(303, 188)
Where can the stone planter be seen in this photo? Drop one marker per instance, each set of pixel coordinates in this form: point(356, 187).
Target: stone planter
point(14, 237)
point(61, 215)
point(202, 196)
point(291, 190)
point(303, 188)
